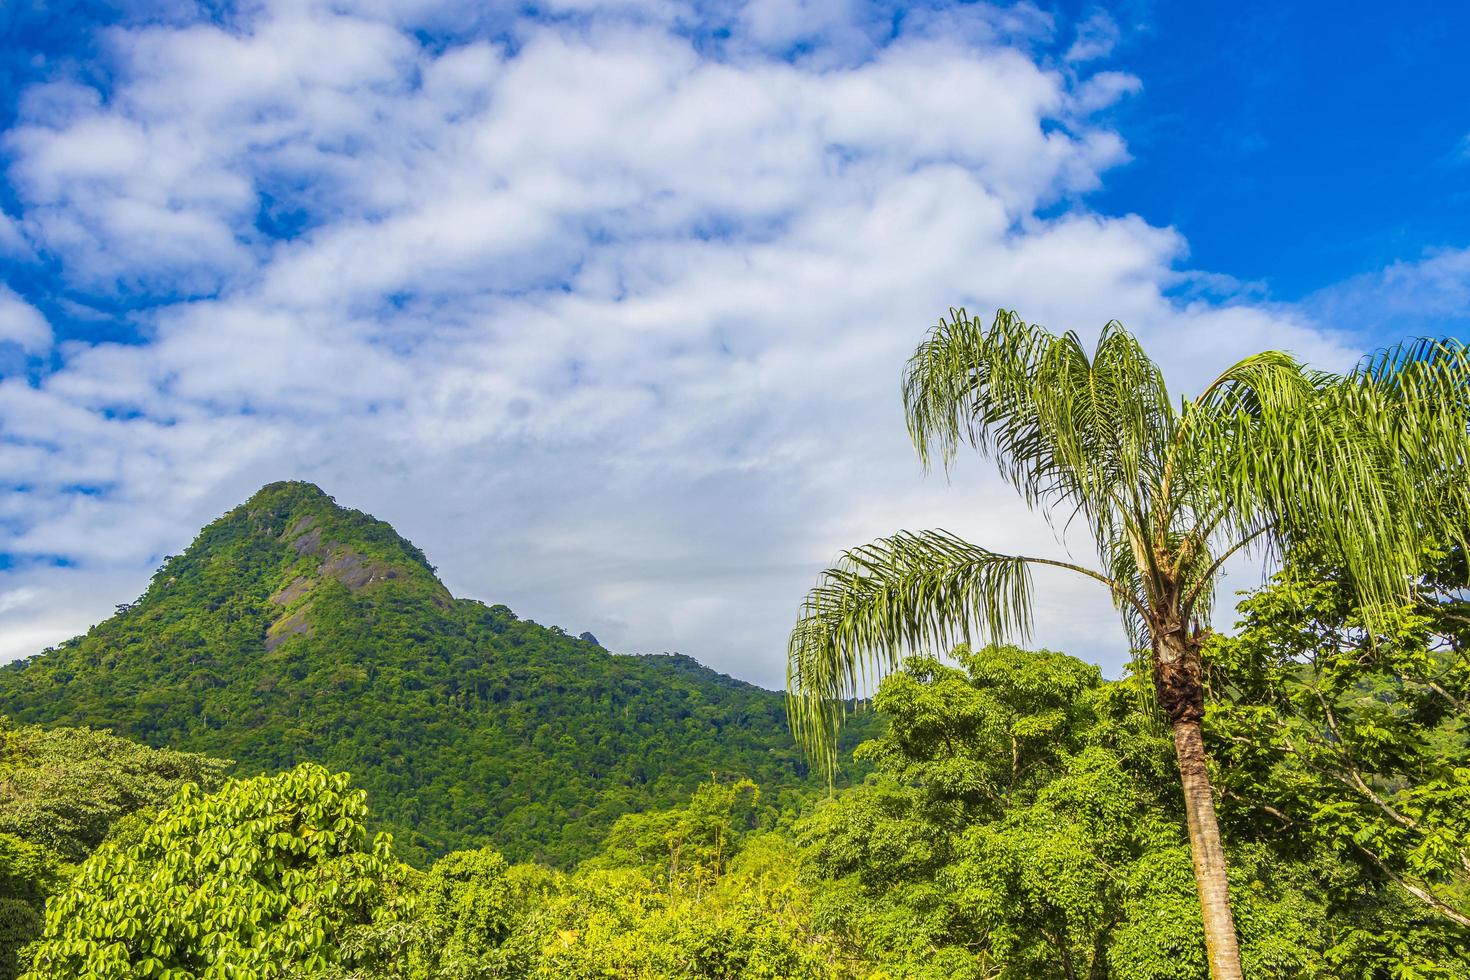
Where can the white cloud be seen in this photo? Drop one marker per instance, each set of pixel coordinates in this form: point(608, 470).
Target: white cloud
point(57, 605)
point(1097, 36)
point(1406, 298)
point(21, 323)
point(610, 325)
point(1105, 88)
point(784, 22)
point(13, 243)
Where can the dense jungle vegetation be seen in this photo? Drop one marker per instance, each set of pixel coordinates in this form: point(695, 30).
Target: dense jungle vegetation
point(1021, 819)
point(425, 787)
point(294, 630)
point(1366, 470)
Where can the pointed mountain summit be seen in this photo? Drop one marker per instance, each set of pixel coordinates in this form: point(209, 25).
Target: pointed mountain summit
point(294, 629)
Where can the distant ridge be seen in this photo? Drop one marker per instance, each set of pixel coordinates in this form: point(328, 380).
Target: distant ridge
point(295, 629)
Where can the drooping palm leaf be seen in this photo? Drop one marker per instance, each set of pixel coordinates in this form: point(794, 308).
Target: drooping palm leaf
point(1271, 451)
point(909, 591)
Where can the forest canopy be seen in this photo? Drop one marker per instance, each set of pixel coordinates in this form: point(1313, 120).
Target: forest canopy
point(295, 630)
point(424, 788)
point(1020, 820)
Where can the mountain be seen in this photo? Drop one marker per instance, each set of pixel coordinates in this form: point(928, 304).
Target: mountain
point(294, 630)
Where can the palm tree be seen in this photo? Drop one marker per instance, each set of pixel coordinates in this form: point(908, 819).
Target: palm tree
point(1271, 453)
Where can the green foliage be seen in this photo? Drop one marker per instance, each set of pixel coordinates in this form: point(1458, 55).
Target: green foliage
point(733, 909)
point(261, 879)
point(466, 918)
point(621, 924)
point(691, 892)
point(294, 630)
point(470, 896)
point(1347, 746)
point(66, 787)
point(1022, 818)
point(1023, 822)
point(977, 736)
point(62, 791)
point(701, 837)
point(29, 873)
point(1270, 454)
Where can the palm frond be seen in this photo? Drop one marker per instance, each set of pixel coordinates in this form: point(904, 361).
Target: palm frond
point(911, 591)
point(1371, 465)
point(1358, 463)
point(1062, 427)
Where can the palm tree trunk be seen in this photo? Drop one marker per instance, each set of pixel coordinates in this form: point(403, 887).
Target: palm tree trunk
point(1181, 695)
point(1221, 946)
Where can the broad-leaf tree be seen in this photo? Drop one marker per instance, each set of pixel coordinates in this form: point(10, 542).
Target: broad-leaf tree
point(1020, 825)
point(261, 879)
point(62, 791)
point(1354, 744)
point(1269, 454)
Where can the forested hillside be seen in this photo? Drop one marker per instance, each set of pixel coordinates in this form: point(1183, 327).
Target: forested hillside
point(1022, 822)
point(561, 813)
point(296, 630)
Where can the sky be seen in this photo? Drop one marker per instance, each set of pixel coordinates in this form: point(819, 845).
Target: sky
point(604, 304)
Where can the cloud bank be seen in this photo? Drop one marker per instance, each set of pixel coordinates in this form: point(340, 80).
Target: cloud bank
point(605, 308)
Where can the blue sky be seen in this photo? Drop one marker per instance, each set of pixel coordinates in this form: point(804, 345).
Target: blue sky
point(603, 303)
point(1299, 144)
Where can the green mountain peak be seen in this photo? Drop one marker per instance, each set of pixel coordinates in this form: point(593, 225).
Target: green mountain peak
point(294, 629)
point(282, 551)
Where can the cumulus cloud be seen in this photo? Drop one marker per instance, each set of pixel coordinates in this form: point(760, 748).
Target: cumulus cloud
point(12, 240)
point(21, 323)
point(604, 310)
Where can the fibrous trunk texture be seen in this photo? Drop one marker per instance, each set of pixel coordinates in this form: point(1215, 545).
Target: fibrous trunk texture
point(1181, 696)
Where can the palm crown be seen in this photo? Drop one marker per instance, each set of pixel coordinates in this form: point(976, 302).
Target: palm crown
point(1270, 452)
point(1370, 466)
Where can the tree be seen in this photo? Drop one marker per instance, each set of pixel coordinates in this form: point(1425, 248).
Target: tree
point(733, 907)
point(62, 791)
point(262, 879)
point(66, 787)
point(1269, 454)
point(699, 839)
point(1022, 821)
point(1356, 747)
